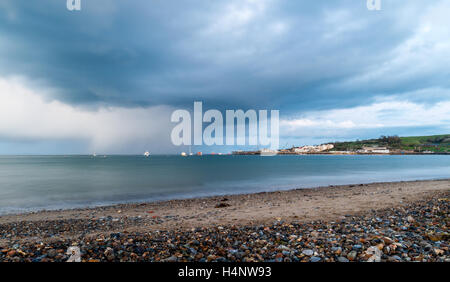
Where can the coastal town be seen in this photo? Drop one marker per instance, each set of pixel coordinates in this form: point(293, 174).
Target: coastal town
point(385, 145)
point(328, 149)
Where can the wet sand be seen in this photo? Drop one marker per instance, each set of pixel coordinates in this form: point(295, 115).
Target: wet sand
point(323, 203)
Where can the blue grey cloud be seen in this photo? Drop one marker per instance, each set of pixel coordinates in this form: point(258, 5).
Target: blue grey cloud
point(225, 52)
point(296, 56)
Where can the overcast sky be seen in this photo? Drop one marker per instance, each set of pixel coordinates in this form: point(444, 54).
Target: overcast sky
point(107, 78)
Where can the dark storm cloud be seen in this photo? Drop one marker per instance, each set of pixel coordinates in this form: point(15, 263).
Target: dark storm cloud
point(292, 55)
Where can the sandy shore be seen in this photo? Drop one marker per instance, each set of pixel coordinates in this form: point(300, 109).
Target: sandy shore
point(324, 203)
point(402, 221)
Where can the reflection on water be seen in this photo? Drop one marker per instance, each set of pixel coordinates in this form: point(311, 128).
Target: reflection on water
point(50, 182)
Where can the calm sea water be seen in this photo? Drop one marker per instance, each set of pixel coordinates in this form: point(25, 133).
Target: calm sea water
point(52, 182)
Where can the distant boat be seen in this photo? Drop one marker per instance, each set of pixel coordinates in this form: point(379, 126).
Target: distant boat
point(94, 154)
point(183, 154)
point(147, 154)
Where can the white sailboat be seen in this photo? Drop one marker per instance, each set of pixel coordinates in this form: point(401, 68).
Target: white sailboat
point(183, 154)
point(147, 154)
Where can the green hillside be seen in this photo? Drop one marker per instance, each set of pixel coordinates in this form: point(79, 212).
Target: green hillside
point(434, 143)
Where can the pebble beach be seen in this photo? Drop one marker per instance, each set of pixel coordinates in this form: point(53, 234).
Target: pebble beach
point(392, 222)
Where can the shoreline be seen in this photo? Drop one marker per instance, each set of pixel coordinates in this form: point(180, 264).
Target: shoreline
point(393, 221)
point(312, 203)
point(126, 204)
point(349, 153)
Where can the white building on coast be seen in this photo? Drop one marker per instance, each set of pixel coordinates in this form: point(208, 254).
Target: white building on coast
point(374, 150)
point(313, 149)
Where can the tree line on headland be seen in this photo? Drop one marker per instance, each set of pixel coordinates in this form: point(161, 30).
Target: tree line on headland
point(434, 143)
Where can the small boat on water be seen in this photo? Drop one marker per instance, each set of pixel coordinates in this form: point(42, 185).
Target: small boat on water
point(94, 154)
point(147, 154)
point(183, 154)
